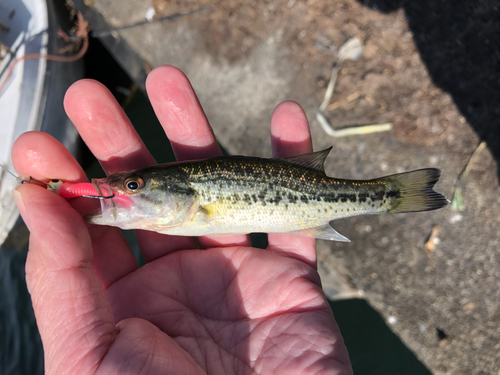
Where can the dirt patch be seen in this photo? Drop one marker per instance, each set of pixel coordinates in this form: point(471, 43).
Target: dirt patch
point(390, 84)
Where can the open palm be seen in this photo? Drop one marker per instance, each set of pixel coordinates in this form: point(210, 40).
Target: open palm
point(224, 308)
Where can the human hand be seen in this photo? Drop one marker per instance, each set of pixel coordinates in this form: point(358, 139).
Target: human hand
point(224, 308)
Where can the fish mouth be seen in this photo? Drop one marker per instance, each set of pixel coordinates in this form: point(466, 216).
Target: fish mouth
point(106, 213)
point(103, 188)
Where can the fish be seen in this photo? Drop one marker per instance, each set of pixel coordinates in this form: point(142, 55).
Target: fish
point(240, 195)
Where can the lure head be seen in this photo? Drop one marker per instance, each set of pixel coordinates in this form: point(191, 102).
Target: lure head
point(147, 198)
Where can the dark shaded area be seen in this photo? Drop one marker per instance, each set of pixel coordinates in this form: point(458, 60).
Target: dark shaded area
point(129, 61)
point(101, 66)
point(459, 44)
point(20, 344)
point(373, 348)
point(142, 116)
point(441, 335)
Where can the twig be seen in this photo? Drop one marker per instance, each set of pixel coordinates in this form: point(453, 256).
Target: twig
point(82, 33)
point(348, 130)
point(457, 203)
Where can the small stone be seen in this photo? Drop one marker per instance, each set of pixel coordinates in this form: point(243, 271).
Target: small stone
point(351, 50)
point(150, 14)
point(470, 306)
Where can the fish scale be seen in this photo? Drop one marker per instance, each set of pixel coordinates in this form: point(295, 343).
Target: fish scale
point(295, 198)
point(229, 195)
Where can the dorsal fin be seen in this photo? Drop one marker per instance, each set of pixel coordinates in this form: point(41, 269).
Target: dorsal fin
point(314, 160)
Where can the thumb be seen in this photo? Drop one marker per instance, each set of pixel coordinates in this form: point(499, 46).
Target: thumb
point(73, 315)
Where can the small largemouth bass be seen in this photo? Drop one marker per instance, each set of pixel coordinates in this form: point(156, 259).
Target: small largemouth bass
point(237, 195)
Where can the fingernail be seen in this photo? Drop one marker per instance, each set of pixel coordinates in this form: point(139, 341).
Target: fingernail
point(18, 198)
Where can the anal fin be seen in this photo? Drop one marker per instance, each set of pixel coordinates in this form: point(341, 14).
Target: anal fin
point(324, 232)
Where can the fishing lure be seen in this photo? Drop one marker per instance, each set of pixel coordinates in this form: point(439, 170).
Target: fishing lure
point(65, 189)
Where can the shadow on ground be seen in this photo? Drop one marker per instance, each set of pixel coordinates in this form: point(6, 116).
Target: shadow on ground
point(458, 42)
point(373, 348)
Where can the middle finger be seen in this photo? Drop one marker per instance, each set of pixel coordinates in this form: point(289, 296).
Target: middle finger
point(182, 117)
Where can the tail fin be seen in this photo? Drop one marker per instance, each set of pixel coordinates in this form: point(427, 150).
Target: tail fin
point(413, 191)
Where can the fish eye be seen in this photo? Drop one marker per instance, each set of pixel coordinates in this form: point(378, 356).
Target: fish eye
point(133, 184)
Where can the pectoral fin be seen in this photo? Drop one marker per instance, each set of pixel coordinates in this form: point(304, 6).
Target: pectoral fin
point(324, 232)
point(208, 210)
